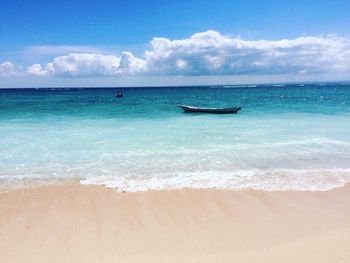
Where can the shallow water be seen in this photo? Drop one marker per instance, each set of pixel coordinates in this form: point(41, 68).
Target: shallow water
point(286, 137)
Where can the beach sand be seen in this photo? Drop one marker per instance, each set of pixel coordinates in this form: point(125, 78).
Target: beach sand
point(77, 223)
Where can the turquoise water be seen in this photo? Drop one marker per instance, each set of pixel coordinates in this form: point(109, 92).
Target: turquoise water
point(286, 137)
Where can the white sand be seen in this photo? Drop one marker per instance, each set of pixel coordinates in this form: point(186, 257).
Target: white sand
point(75, 223)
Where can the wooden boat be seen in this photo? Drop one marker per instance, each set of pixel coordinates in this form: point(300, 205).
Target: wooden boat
point(188, 108)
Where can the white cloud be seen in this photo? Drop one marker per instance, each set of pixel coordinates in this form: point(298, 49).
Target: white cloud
point(84, 64)
point(38, 70)
point(210, 53)
point(88, 65)
point(130, 64)
point(7, 69)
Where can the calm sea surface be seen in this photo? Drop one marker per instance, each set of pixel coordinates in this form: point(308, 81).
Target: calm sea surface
point(285, 137)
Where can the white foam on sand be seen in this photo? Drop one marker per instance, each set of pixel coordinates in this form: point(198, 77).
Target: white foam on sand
point(265, 179)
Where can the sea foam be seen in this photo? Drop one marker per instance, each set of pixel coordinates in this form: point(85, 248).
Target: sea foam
point(269, 180)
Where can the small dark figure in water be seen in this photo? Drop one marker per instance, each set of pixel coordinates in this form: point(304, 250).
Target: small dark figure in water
point(119, 94)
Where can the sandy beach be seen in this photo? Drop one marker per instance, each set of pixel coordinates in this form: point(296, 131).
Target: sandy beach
point(76, 223)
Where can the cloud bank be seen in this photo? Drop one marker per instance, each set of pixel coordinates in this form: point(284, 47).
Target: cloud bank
point(7, 69)
point(209, 53)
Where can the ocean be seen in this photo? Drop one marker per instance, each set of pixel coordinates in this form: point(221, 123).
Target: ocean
point(286, 137)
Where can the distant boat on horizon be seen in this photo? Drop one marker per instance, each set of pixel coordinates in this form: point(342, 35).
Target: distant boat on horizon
point(188, 108)
point(119, 94)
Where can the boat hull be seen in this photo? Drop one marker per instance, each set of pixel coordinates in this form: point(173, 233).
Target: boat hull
point(193, 109)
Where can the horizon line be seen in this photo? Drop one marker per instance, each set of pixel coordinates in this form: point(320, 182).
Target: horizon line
point(346, 82)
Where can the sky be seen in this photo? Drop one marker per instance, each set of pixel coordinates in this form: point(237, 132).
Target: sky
point(143, 43)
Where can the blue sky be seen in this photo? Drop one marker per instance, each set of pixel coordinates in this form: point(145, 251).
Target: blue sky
point(37, 32)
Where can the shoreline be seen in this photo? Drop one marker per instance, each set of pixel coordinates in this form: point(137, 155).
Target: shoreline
point(6, 187)
point(88, 223)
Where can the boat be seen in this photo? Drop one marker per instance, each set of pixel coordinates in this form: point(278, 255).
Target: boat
point(119, 94)
point(188, 108)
